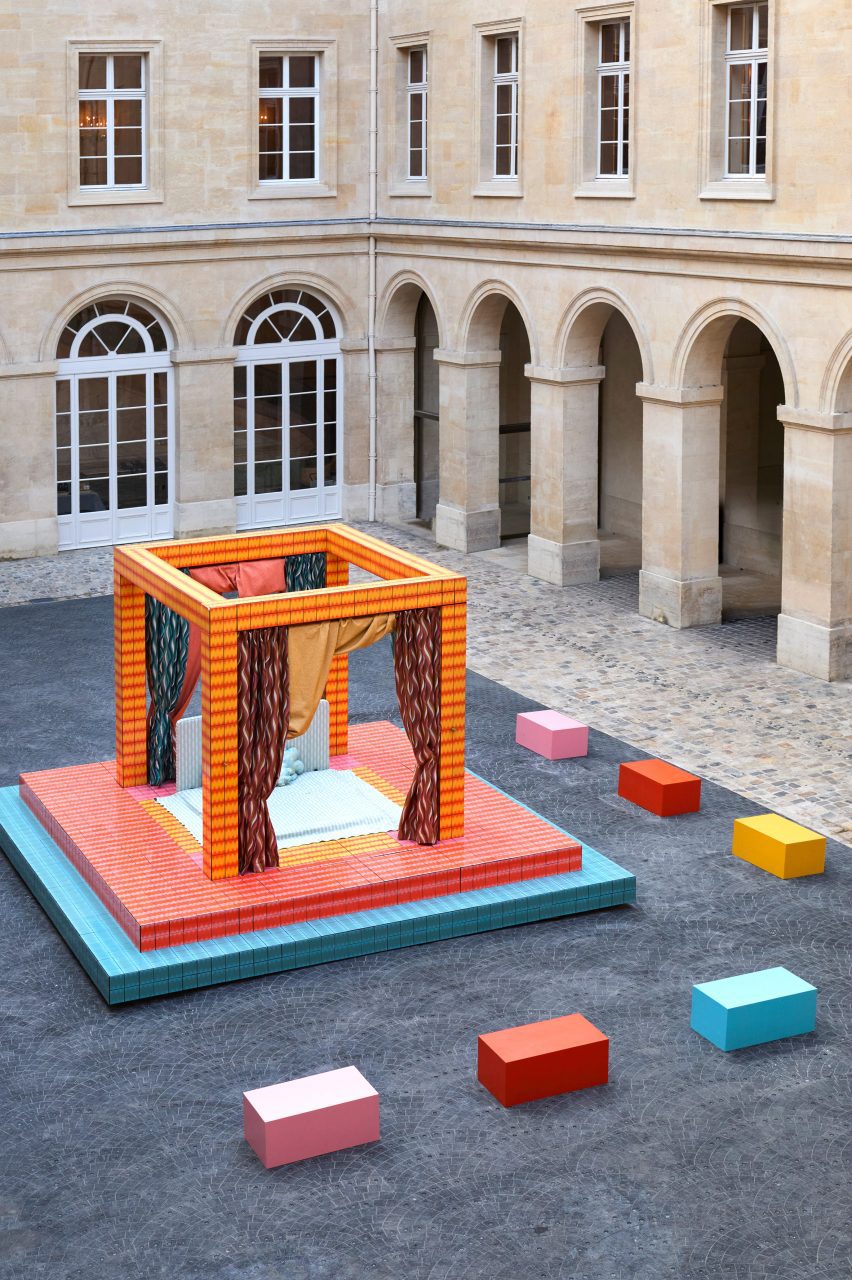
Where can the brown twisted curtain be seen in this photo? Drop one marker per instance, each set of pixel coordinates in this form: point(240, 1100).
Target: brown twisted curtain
point(417, 668)
point(263, 714)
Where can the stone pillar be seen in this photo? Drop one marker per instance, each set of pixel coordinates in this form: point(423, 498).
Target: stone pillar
point(467, 517)
point(28, 476)
point(815, 625)
point(396, 497)
point(355, 425)
point(204, 442)
point(679, 583)
point(563, 545)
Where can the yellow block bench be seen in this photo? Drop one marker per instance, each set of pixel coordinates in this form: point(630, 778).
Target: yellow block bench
point(779, 846)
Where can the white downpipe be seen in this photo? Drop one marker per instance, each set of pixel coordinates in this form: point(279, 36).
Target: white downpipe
point(371, 254)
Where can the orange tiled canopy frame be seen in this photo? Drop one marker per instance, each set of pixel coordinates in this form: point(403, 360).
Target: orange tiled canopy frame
point(407, 582)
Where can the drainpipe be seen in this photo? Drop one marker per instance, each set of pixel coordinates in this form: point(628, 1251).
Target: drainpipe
point(371, 252)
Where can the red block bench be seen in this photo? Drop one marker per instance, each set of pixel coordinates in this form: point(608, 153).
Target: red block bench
point(659, 787)
point(543, 1059)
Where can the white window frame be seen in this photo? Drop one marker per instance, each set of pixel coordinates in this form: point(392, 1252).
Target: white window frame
point(415, 89)
point(109, 95)
point(499, 80)
point(324, 50)
point(589, 182)
point(286, 94)
point(754, 57)
point(151, 191)
point(714, 180)
point(620, 69)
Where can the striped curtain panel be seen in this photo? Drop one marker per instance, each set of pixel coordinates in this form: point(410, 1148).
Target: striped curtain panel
point(263, 716)
point(166, 646)
point(417, 668)
point(306, 572)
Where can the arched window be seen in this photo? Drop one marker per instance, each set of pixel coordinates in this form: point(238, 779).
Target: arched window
point(287, 411)
point(113, 426)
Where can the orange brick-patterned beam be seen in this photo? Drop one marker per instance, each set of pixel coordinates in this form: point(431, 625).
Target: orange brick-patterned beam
point(451, 764)
point(131, 735)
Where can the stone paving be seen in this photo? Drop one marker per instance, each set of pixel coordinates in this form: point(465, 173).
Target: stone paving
point(710, 699)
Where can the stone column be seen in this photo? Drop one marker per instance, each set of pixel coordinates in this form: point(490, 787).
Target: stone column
point(467, 517)
point(563, 545)
point(28, 476)
point(204, 442)
point(396, 497)
point(815, 625)
point(355, 425)
point(679, 583)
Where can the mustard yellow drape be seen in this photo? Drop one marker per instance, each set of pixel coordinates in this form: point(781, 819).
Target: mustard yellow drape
point(311, 649)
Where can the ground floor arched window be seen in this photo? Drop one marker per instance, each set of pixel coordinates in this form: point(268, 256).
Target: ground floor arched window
point(287, 411)
point(114, 462)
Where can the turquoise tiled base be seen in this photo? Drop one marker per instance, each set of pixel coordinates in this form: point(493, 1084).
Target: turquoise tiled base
point(121, 973)
point(753, 1008)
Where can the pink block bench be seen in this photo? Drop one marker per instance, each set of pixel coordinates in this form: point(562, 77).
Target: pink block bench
point(310, 1116)
point(552, 735)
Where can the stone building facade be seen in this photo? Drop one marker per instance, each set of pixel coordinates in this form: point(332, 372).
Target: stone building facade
point(593, 292)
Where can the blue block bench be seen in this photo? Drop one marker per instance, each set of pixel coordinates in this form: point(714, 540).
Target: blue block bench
point(753, 1008)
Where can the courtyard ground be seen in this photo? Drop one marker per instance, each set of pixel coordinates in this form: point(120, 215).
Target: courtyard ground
point(121, 1151)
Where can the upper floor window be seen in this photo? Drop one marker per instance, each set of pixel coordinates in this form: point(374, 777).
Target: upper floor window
point(747, 89)
point(614, 99)
point(505, 80)
point(418, 94)
point(112, 93)
point(288, 117)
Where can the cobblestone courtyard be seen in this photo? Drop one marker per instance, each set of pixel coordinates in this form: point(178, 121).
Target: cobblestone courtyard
point(710, 699)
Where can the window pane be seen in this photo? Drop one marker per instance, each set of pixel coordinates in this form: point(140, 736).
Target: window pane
point(92, 393)
point(503, 162)
point(303, 442)
point(161, 489)
point(132, 491)
point(63, 396)
point(131, 457)
point(128, 113)
point(626, 26)
point(742, 21)
point(93, 173)
point(63, 465)
point(303, 376)
point(610, 42)
point(302, 110)
point(267, 477)
point(267, 445)
point(93, 70)
point(504, 130)
point(93, 143)
point(415, 107)
point(127, 71)
point(331, 469)
point(760, 156)
point(762, 72)
point(94, 461)
point(302, 167)
point(271, 138)
point(128, 171)
point(131, 424)
point(739, 119)
point(240, 446)
point(271, 71)
point(161, 383)
point(504, 99)
point(331, 437)
point(415, 164)
point(94, 495)
point(301, 137)
point(270, 169)
point(506, 46)
point(128, 142)
point(763, 26)
point(240, 479)
point(740, 82)
point(161, 422)
point(609, 126)
point(609, 91)
point(609, 158)
point(267, 412)
point(267, 380)
point(738, 149)
point(303, 474)
point(416, 66)
point(302, 71)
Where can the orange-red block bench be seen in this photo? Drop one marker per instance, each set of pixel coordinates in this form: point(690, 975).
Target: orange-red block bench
point(659, 787)
point(543, 1059)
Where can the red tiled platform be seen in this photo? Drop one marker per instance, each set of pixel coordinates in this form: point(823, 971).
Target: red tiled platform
point(160, 897)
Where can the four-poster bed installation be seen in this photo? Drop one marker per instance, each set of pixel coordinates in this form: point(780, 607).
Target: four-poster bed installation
point(295, 614)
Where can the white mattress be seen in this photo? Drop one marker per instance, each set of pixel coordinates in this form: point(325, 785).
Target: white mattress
point(329, 804)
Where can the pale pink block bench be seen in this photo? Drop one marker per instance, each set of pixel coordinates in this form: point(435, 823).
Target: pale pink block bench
point(310, 1116)
point(552, 735)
